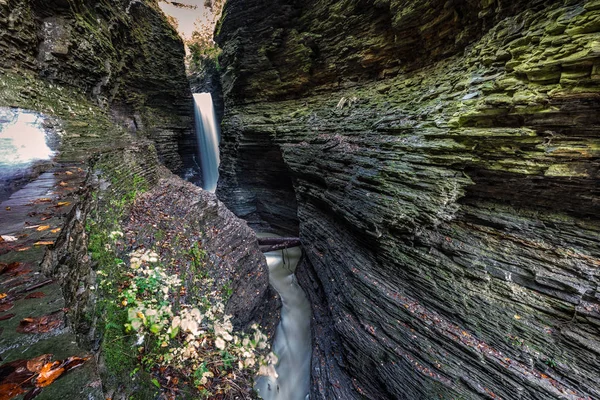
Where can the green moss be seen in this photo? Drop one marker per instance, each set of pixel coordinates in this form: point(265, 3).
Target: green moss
point(118, 348)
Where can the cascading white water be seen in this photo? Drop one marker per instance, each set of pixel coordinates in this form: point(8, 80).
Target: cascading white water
point(208, 136)
point(292, 343)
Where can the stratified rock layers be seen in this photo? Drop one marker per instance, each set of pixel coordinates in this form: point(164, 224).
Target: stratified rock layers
point(123, 53)
point(447, 183)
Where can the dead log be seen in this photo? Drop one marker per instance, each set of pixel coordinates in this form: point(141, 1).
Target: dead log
point(267, 241)
point(273, 244)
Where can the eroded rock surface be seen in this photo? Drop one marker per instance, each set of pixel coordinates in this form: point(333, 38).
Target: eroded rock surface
point(444, 158)
point(122, 53)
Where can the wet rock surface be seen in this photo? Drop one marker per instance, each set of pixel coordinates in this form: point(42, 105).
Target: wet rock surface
point(33, 318)
point(175, 207)
point(447, 207)
point(124, 54)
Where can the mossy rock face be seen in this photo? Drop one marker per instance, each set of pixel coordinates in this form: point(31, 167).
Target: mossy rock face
point(444, 164)
point(122, 54)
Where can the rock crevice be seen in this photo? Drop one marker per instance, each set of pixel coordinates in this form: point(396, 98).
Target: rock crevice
point(446, 182)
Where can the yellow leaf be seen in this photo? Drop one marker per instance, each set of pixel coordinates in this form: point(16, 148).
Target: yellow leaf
point(43, 228)
point(55, 230)
point(63, 203)
point(3, 295)
point(43, 243)
point(517, 316)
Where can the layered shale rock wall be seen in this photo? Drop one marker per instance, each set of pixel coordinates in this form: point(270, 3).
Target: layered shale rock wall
point(444, 156)
point(123, 53)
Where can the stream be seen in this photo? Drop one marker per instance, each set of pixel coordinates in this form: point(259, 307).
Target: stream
point(292, 343)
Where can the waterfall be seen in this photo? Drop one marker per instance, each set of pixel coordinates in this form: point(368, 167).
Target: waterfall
point(208, 136)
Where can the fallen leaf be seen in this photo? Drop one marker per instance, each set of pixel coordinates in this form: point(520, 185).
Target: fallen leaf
point(6, 306)
point(23, 249)
point(49, 373)
point(10, 390)
point(6, 316)
point(62, 204)
point(52, 371)
point(18, 376)
point(43, 324)
point(43, 243)
point(55, 230)
point(8, 238)
point(41, 200)
point(37, 363)
point(63, 184)
point(3, 295)
point(7, 208)
point(69, 173)
point(14, 269)
point(35, 295)
point(42, 228)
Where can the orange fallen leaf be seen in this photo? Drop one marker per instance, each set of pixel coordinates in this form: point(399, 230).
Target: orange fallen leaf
point(21, 376)
point(69, 173)
point(10, 390)
point(48, 374)
point(63, 203)
point(43, 243)
point(36, 363)
point(40, 201)
point(23, 249)
point(52, 371)
point(55, 230)
point(43, 228)
point(63, 184)
point(3, 295)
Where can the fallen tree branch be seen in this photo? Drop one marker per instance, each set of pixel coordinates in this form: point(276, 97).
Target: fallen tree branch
point(279, 245)
point(277, 240)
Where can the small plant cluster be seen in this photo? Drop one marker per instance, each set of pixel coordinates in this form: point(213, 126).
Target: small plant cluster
point(198, 341)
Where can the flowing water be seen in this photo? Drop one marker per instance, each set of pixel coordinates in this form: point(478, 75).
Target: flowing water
point(292, 343)
point(208, 136)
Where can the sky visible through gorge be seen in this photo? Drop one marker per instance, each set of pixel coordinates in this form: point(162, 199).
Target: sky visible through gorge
point(186, 17)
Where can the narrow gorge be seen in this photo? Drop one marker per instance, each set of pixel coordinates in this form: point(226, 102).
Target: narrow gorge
point(284, 199)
